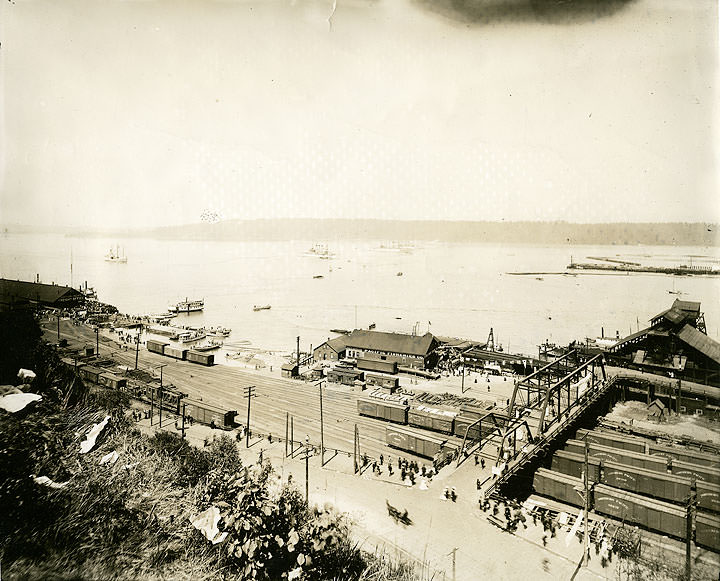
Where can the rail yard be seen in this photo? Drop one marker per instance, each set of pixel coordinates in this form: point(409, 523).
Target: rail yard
point(533, 429)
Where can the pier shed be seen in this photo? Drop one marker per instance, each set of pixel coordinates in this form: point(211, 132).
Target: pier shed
point(330, 350)
point(414, 351)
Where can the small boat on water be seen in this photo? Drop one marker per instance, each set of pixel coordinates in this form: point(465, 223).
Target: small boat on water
point(187, 306)
point(114, 255)
point(318, 276)
point(191, 336)
point(218, 332)
point(320, 251)
point(261, 308)
point(209, 346)
point(399, 273)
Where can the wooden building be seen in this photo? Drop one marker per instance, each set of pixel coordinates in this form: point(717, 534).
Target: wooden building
point(675, 344)
point(415, 351)
point(19, 294)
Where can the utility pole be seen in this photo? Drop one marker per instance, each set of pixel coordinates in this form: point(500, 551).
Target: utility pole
point(152, 404)
point(307, 469)
point(689, 529)
point(249, 393)
point(453, 561)
point(97, 340)
point(298, 353)
point(58, 322)
point(586, 505)
point(292, 437)
point(355, 447)
point(322, 432)
point(160, 405)
point(137, 346)
point(679, 397)
point(183, 421)
point(462, 385)
point(287, 423)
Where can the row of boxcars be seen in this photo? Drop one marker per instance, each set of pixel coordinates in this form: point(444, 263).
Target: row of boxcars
point(658, 484)
point(637, 444)
point(169, 397)
point(428, 418)
point(662, 464)
point(653, 514)
point(163, 348)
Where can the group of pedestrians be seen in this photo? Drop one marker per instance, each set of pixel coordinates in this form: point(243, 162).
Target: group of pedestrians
point(406, 469)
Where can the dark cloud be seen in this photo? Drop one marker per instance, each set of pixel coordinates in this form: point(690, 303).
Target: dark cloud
point(478, 12)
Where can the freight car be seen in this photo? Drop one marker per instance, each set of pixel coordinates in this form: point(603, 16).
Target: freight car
point(112, 381)
point(207, 359)
point(601, 452)
point(417, 443)
point(463, 422)
point(156, 346)
point(707, 531)
point(377, 365)
point(557, 485)
point(431, 419)
point(175, 352)
point(648, 512)
point(91, 373)
point(685, 455)
point(621, 442)
point(661, 485)
point(652, 514)
point(209, 414)
point(383, 410)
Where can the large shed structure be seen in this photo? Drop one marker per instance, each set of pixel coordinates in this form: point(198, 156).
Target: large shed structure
point(675, 344)
point(19, 294)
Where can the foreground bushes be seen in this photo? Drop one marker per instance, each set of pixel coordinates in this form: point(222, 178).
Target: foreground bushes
point(131, 518)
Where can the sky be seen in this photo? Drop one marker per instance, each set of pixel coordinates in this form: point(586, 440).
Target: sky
point(143, 113)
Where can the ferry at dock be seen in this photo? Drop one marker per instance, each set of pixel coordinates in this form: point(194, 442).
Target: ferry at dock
point(187, 306)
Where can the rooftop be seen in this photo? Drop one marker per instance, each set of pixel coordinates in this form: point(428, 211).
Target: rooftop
point(392, 342)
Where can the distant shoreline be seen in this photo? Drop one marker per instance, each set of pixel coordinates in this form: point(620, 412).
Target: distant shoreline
point(537, 233)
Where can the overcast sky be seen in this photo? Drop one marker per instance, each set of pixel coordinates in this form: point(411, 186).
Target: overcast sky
point(152, 113)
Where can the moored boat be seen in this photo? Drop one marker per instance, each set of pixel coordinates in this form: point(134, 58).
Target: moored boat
point(187, 306)
point(190, 336)
point(209, 346)
point(261, 307)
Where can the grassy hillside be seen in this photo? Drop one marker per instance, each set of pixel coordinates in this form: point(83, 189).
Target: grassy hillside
point(131, 519)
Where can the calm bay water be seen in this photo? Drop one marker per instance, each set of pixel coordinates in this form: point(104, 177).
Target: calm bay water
point(451, 289)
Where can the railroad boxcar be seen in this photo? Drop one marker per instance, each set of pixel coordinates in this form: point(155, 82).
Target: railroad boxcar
point(476, 411)
point(559, 486)
point(700, 473)
point(708, 495)
point(652, 514)
point(431, 419)
point(707, 531)
point(620, 441)
point(417, 443)
point(385, 382)
point(207, 359)
point(667, 487)
point(685, 455)
point(574, 465)
point(112, 381)
point(156, 346)
point(176, 353)
point(377, 365)
point(601, 452)
point(383, 410)
point(463, 422)
point(209, 414)
point(91, 373)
